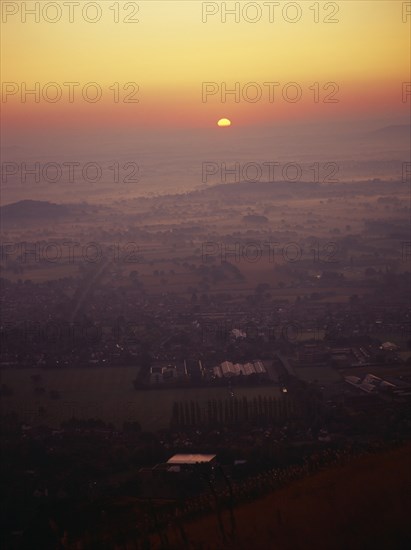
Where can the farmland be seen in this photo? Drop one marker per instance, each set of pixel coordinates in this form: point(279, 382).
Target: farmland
point(104, 393)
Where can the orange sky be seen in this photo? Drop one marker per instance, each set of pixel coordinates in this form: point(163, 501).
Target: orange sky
point(170, 52)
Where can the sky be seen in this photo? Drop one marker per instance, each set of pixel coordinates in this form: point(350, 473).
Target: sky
point(147, 82)
point(359, 60)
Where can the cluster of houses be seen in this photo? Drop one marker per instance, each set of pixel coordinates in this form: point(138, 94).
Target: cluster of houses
point(174, 371)
point(195, 371)
point(374, 384)
point(227, 369)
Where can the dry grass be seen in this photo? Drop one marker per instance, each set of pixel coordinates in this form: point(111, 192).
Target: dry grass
point(363, 505)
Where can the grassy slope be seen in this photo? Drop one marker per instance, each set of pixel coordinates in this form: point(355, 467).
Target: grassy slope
point(363, 505)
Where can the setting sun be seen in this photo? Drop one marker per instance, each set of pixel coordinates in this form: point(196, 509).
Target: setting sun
point(223, 122)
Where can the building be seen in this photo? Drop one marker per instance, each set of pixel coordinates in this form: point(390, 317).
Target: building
point(182, 476)
point(186, 460)
point(227, 369)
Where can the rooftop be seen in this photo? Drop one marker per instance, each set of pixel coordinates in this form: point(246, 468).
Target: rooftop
point(190, 458)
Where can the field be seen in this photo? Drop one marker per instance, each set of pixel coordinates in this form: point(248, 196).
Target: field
point(324, 375)
point(105, 393)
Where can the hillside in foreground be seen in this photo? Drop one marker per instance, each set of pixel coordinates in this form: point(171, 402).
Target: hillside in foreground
point(362, 505)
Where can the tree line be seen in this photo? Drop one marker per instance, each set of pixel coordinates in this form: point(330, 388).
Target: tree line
point(234, 410)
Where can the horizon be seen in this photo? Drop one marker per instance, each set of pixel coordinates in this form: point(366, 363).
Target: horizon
point(205, 274)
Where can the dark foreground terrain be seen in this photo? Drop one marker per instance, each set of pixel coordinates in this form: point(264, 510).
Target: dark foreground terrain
point(364, 504)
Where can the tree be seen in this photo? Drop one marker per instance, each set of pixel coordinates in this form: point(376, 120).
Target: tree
point(132, 427)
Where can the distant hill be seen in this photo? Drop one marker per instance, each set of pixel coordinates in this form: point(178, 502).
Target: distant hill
point(402, 131)
point(32, 210)
point(280, 189)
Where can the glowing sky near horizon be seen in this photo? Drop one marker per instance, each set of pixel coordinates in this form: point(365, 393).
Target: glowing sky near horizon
point(171, 52)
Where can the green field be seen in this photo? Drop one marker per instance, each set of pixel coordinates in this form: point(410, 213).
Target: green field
point(105, 393)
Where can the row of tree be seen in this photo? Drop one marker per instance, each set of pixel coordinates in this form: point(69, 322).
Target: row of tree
point(258, 411)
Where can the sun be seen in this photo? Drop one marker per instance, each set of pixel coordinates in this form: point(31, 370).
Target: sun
point(224, 122)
